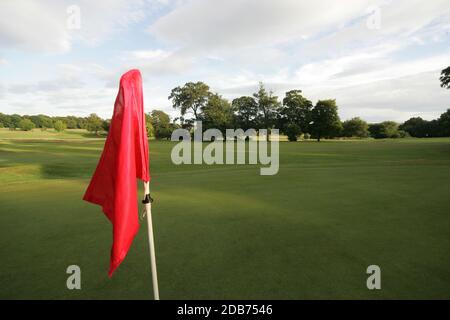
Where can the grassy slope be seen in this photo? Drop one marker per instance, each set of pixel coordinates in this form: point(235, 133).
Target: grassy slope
point(227, 232)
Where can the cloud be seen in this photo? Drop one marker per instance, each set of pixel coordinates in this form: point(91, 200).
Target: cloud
point(218, 24)
point(43, 25)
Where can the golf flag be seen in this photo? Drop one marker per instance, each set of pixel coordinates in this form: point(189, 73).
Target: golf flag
point(124, 158)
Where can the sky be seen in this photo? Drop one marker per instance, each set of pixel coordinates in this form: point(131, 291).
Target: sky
point(379, 59)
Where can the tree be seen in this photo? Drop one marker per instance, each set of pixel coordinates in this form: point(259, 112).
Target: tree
point(292, 131)
point(444, 123)
point(46, 121)
point(325, 119)
point(246, 110)
point(445, 78)
point(386, 129)
point(94, 123)
point(26, 125)
point(417, 127)
point(161, 124)
point(217, 113)
point(59, 126)
point(355, 127)
point(14, 121)
point(148, 126)
point(296, 111)
point(71, 122)
point(106, 124)
point(191, 97)
point(267, 105)
point(5, 120)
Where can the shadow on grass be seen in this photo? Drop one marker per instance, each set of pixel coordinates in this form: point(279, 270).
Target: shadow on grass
point(63, 170)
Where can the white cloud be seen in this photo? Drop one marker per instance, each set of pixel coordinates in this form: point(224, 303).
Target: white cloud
point(216, 23)
point(42, 25)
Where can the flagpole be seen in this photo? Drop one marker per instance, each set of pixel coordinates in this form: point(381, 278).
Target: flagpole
point(151, 239)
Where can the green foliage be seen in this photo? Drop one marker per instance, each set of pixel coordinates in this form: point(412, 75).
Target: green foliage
point(14, 121)
point(355, 127)
point(94, 123)
point(59, 126)
point(246, 110)
point(296, 110)
point(445, 78)
point(160, 122)
point(386, 129)
point(417, 127)
point(217, 113)
point(267, 105)
point(190, 97)
point(403, 134)
point(150, 128)
point(444, 123)
point(105, 125)
point(26, 125)
point(292, 131)
point(325, 119)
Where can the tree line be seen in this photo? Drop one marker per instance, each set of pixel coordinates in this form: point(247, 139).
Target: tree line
point(294, 115)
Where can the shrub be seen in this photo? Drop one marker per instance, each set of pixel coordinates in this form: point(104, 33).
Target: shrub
point(26, 125)
point(59, 126)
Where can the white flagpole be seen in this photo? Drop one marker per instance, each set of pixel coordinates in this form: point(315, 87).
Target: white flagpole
point(151, 241)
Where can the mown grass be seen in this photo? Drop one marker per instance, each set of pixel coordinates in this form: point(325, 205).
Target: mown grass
point(226, 232)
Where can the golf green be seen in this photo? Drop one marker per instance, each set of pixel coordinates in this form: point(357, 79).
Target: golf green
point(225, 231)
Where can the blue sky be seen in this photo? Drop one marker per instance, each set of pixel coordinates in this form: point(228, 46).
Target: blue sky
point(380, 59)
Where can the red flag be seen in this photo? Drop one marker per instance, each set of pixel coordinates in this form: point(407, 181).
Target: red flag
point(124, 158)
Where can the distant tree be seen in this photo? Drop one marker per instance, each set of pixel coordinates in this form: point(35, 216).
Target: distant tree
point(417, 127)
point(106, 124)
point(94, 123)
point(46, 121)
point(59, 125)
point(403, 134)
point(355, 127)
point(71, 122)
point(161, 124)
point(325, 119)
point(390, 129)
point(81, 123)
point(149, 127)
point(292, 131)
point(444, 123)
point(14, 121)
point(5, 120)
point(190, 97)
point(217, 113)
point(445, 78)
point(26, 125)
point(246, 110)
point(296, 111)
point(267, 106)
point(386, 129)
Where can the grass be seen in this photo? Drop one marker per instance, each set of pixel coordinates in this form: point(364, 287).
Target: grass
point(225, 232)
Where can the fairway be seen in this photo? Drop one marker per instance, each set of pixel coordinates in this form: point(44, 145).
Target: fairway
point(226, 232)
